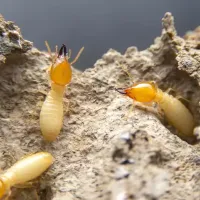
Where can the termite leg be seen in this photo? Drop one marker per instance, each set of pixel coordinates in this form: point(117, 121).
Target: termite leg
point(26, 185)
point(127, 72)
point(179, 97)
point(129, 112)
point(43, 92)
point(154, 84)
point(149, 104)
point(160, 111)
point(150, 107)
point(78, 55)
point(169, 90)
point(154, 109)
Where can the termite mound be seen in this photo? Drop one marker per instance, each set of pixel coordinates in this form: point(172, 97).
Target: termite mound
point(87, 150)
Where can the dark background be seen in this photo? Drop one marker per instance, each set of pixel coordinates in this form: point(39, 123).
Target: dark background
point(97, 24)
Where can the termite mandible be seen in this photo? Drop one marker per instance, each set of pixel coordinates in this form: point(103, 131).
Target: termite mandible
point(176, 113)
point(26, 169)
point(51, 115)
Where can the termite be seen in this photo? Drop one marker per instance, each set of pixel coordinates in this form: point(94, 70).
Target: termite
point(60, 72)
point(176, 113)
point(26, 169)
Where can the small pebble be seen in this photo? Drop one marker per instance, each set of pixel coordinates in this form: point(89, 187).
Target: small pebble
point(121, 173)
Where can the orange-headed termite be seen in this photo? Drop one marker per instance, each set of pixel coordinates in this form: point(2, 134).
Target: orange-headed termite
point(176, 113)
point(26, 169)
point(51, 115)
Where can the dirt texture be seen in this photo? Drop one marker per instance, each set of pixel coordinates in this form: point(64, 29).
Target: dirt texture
point(99, 154)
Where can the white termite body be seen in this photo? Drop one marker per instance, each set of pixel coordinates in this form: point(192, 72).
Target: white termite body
point(176, 113)
point(26, 169)
point(51, 115)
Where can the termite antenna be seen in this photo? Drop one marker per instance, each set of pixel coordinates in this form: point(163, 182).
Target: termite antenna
point(49, 50)
point(127, 72)
point(78, 55)
point(63, 51)
point(120, 90)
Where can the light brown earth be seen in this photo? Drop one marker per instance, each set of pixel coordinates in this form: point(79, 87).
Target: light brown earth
point(100, 154)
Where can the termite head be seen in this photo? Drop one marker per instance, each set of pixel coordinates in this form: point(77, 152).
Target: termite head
point(142, 92)
point(60, 72)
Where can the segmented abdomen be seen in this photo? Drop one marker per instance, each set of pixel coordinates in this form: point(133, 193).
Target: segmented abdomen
point(29, 168)
point(177, 114)
point(26, 169)
point(51, 116)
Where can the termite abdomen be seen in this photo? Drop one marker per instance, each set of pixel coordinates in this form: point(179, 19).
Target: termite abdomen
point(24, 170)
point(51, 115)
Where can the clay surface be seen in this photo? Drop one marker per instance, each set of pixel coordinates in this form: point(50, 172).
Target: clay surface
point(100, 154)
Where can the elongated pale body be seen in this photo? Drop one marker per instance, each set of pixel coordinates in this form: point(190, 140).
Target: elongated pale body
point(24, 170)
point(176, 113)
point(51, 115)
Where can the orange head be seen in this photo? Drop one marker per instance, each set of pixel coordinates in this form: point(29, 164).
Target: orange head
point(142, 92)
point(61, 72)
